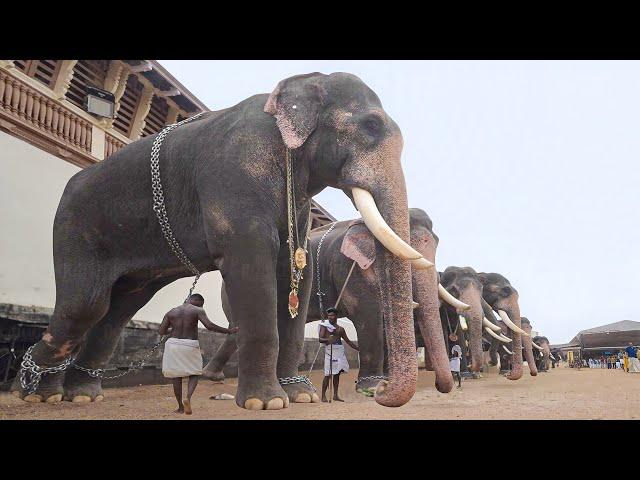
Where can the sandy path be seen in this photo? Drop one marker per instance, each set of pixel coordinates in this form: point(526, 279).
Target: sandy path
point(559, 394)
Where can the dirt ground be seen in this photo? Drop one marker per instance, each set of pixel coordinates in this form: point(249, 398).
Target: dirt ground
point(561, 393)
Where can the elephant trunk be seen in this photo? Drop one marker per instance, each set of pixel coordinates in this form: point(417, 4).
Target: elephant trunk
point(425, 286)
point(495, 344)
point(394, 275)
point(546, 354)
point(528, 349)
point(513, 312)
point(474, 317)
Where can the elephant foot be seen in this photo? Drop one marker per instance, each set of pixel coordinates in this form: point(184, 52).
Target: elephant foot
point(49, 389)
point(215, 376)
point(261, 395)
point(301, 393)
point(81, 388)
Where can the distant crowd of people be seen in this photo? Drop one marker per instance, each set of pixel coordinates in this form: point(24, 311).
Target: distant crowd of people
point(621, 360)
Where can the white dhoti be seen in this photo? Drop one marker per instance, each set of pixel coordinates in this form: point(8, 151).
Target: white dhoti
point(182, 358)
point(336, 362)
point(634, 365)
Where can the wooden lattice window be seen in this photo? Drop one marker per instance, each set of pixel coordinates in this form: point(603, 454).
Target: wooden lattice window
point(86, 73)
point(128, 106)
point(44, 71)
point(157, 117)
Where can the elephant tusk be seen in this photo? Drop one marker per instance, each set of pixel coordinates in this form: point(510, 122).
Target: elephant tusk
point(366, 205)
point(537, 346)
point(506, 339)
point(496, 336)
point(492, 326)
point(414, 304)
point(451, 300)
point(552, 356)
point(505, 318)
point(507, 350)
point(463, 323)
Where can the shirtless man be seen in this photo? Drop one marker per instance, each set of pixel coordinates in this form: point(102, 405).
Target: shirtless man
point(335, 360)
point(182, 357)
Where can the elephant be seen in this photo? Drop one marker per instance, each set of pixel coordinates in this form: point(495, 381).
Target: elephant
point(532, 356)
point(336, 249)
point(501, 297)
point(225, 195)
point(464, 284)
point(543, 353)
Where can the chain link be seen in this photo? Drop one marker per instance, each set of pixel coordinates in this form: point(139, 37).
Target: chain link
point(320, 294)
point(159, 205)
point(133, 366)
point(372, 377)
point(28, 368)
point(298, 379)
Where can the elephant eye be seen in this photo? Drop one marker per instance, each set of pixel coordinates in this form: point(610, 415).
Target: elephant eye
point(506, 290)
point(372, 125)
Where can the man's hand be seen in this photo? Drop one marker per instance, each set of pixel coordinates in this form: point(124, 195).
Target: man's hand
point(231, 331)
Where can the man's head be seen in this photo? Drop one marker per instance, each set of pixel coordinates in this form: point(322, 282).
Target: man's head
point(196, 299)
point(332, 315)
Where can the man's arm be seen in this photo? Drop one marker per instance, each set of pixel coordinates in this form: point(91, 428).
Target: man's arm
point(164, 326)
point(343, 334)
point(209, 325)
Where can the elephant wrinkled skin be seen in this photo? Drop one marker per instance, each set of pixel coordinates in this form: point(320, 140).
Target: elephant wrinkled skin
point(225, 193)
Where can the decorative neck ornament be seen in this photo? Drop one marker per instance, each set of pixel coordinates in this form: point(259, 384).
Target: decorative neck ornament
point(297, 258)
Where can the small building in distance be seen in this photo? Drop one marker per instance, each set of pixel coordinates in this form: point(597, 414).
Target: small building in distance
point(603, 340)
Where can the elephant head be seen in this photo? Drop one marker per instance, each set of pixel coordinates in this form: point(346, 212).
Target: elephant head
point(358, 245)
point(528, 346)
point(542, 344)
point(464, 284)
point(337, 128)
point(503, 299)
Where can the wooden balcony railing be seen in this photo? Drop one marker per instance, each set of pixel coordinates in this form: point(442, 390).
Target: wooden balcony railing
point(22, 102)
point(111, 145)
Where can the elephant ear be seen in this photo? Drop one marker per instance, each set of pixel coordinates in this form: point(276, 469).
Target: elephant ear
point(358, 244)
point(295, 103)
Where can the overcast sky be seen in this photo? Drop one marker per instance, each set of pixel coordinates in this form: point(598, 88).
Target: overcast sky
point(528, 168)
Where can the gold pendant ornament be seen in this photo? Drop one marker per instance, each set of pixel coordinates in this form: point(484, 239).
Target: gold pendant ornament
point(293, 303)
point(301, 258)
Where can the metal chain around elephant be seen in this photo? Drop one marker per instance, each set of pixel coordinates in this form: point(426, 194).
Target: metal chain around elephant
point(320, 294)
point(28, 368)
point(133, 366)
point(159, 205)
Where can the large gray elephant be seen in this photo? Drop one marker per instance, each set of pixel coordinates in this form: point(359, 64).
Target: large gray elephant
point(225, 192)
point(464, 284)
point(530, 348)
point(543, 353)
point(344, 243)
point(502, 297)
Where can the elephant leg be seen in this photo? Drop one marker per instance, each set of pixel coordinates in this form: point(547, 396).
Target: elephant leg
point(249, 272)
point(82, 299)
point(368, 323)
point(291, 330)
point(102, 339)
point(213, 369)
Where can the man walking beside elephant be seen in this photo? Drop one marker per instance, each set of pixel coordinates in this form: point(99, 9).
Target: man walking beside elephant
point(335, 360)
point(182, 357)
